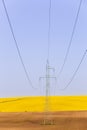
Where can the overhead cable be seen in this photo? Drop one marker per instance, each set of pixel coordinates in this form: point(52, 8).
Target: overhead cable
point(71, 39)
point(16, 44)
point(74, 74)
point(49, 30)
point(11, 100)
point(14, 100)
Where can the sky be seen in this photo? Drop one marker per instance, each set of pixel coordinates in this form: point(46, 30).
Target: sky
point(29, 19)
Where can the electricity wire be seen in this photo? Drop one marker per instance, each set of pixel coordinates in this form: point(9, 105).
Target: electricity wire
point(16, 44)
point(71, 39)
point(71, 80)
point(11, 100)
point(14, 100)
point(49, 30)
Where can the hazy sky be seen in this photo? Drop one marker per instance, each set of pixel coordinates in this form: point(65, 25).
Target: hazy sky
point(29, 19)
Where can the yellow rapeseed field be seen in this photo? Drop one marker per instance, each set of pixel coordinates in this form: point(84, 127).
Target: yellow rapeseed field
point(37, 103)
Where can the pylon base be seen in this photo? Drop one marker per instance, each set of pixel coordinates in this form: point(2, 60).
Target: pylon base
point(48, 122)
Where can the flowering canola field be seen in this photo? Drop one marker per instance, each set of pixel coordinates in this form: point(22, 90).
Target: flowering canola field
point(37, 103)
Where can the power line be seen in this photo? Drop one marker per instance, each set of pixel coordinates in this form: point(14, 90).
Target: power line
point(14, 100)
point(71, 39)
point(71, 80)
point(16, 44)
point(49, 29)
point(11, 101)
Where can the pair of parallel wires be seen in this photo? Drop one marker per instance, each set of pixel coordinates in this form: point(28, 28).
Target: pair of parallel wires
point(69, 46)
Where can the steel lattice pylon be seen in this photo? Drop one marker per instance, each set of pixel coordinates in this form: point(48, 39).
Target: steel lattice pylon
point(47, 120)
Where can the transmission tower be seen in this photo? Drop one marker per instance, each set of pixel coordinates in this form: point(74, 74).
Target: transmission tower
point(48, 78)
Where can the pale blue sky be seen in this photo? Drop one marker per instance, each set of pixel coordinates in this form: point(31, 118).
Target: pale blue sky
point(29, 19)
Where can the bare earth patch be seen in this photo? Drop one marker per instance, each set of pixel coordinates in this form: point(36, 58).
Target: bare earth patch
point(34, 121)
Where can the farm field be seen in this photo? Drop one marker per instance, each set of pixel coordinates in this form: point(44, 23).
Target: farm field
point(37, 104)
point(27, 113)
point(76, 120)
